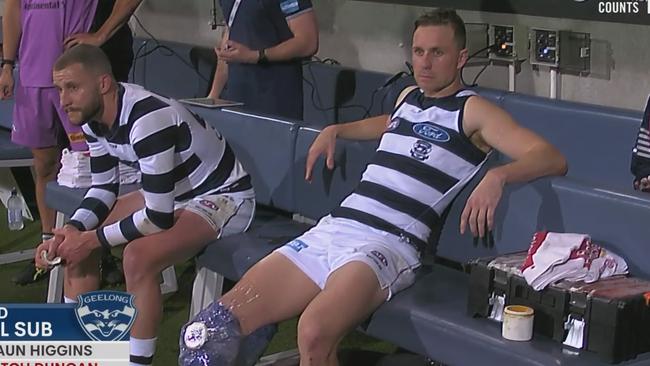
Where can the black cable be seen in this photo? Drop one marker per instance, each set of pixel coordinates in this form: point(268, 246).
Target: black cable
point(372, 102)
point(135, 59)
point(388, 83)
point(462, 79)
point(367, 111)
point(160, 46)
point(318, 105)
point(474, 84)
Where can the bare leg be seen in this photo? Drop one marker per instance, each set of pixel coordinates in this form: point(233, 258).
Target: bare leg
point(85, 276)
point(273, 290)
point(46, 167)
point(351, 294)
point(146, 257)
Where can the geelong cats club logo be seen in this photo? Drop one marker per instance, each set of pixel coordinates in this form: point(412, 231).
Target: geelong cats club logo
point(106, 315)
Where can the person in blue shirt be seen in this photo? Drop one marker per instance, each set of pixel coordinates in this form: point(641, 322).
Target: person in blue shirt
point(260, 54)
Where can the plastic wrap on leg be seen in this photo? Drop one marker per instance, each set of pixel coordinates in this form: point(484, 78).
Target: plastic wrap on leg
point(212, 338)
point(254, 344)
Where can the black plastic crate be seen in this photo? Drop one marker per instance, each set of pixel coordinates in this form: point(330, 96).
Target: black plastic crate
point(616, 311)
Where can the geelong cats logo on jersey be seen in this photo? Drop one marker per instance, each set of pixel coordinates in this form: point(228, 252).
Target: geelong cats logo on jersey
point(421, 150)
point(106, 315)
point(431, 132)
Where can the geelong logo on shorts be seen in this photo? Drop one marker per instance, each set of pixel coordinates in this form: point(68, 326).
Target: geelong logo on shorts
point(106, 315)
point(431, 132)
point(297, 245)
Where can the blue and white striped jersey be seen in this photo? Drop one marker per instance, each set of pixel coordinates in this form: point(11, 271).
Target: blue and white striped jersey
point(640, 165)
point(423, 160)
point(179, 155)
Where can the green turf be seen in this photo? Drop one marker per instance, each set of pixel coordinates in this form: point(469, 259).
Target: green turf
point(176, 307)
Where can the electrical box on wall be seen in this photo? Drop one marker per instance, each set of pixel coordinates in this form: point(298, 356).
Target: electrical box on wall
point(566, 50)
point(544, 48)
point(477, 39)
point(575, 51)
point(510, 42)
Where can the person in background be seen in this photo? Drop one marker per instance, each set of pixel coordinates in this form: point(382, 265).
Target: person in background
point(640, 165)
point(35, 33)
point(259, 57)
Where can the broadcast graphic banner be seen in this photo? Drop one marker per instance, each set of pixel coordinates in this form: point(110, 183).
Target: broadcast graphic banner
point(93, 332)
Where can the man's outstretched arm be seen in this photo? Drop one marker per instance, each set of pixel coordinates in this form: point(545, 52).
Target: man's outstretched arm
point(532, 156)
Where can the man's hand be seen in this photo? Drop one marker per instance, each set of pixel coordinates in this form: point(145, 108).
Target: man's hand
point(325, 144)
point(232, 51)
point(76, 245)
point(51, 246)
point(480, 207)
point(83, 38)
point(643, 184)
point(6, 84)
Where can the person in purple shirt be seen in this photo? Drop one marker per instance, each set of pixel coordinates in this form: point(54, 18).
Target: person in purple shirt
point(35, 33)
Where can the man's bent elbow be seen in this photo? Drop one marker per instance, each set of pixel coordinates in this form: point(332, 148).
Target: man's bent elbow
point(311, 47)
point(561, 165)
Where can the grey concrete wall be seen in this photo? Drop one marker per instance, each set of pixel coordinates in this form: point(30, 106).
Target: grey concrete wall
point(377, 37)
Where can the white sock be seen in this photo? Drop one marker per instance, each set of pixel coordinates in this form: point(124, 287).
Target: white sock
point(142, 351)
point(68, 300)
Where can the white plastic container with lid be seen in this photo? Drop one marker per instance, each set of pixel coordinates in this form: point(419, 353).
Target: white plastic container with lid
point(518, 323)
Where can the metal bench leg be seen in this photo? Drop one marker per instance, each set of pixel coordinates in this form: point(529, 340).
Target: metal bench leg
point(208, 286)
point(169, 283)
point(285, 358)
point(18, 256)
point(55, 286)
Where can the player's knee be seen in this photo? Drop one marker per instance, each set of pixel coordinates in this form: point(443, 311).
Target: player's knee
point(83, 268)
point(137, 264)
point(312, 336)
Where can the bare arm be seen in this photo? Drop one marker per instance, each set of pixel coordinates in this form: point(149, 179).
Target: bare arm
point(304, 42)
point(221, 72)
point(122, 11)
point(366, 129)
point(533, 157)
point(11, 32)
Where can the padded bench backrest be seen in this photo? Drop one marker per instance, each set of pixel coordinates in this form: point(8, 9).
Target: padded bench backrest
point(265, 146)
point(166, 73)
point(6, 113)
point(616, 220)
point(336, 94)
point(596, 141)
point(523, 210)
point(327, 188)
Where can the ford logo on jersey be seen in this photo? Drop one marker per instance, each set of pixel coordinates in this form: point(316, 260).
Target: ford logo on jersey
point(431, 132)
point(106, 315)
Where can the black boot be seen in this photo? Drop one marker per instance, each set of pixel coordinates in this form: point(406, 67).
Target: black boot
point(111, 273)
point(26, 275)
